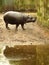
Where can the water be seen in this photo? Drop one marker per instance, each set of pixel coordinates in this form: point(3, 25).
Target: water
point(18, 61)
point(3, 60)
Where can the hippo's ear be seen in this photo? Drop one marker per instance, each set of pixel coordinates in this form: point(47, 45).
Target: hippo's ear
point(30, 17)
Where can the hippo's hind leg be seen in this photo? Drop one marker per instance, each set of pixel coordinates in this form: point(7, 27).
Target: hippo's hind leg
point(22, 25)
point(7, 26)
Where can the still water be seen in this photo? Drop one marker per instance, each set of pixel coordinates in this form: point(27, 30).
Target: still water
point(29, 61)
point(3, 60)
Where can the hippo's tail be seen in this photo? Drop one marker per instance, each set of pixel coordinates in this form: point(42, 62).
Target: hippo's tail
point(4, 18)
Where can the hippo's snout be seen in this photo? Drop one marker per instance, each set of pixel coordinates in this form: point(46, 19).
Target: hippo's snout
point(31, 19)
point(34, 19)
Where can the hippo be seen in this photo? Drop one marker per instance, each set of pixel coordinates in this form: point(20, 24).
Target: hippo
point(17, 18)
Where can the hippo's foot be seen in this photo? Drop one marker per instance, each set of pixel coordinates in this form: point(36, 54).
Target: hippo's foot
point(8, 28)
point(17, 27)
point(22, 25)
point(23, 28)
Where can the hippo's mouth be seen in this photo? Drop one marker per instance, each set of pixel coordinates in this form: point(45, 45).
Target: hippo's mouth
point(32, 19)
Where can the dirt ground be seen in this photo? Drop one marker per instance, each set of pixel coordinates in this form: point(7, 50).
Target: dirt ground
point(32, 35)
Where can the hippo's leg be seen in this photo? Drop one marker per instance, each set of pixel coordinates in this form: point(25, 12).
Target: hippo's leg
point(22, 25)
point(17, 26)
point(7, 26)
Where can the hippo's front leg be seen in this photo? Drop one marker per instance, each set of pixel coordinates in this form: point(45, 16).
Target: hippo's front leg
point(22, 25)
point(17, 26)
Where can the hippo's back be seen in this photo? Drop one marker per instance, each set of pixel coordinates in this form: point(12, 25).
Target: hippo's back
point(17, 15)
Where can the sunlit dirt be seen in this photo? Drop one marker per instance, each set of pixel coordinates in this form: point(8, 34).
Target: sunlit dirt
point(33, 34)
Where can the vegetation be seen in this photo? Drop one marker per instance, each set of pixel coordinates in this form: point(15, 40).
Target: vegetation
point(0, 5)
point(43, 55)
point(40, 6)
point(43, 13)
point(20, 5)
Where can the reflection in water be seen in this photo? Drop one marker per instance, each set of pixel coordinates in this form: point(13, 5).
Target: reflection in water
point(28, 60)
point(4, 61)
point(22, 62)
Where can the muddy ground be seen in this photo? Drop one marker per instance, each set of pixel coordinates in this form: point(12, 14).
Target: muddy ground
point(33, 34)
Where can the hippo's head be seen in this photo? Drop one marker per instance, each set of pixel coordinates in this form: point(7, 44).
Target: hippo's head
point(31, 19)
